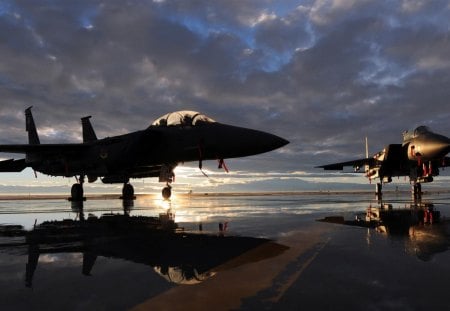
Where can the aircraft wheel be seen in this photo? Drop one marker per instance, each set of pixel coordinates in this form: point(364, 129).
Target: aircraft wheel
point(167, 192)
point(77, 192)
point(127, 192)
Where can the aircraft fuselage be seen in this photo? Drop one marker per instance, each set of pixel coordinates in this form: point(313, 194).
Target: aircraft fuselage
point(143, 150)
point(177, 137)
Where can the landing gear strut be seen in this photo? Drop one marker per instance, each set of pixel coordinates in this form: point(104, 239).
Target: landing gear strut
point(167, 175)
point(417, 190)
point(167, 192)
point(378, 190)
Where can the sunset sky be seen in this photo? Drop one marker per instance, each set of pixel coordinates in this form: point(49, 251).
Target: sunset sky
point(322, 74)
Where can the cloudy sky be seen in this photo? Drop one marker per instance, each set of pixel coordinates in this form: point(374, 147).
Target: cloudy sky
point(321, 73)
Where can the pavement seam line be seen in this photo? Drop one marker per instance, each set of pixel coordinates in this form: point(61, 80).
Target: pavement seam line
point(297, 274)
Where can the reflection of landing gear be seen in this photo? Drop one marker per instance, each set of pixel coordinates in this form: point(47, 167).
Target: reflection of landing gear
point(167, 192)
point(127, 206)
point(378, 190)
point(77, 207)
point(77, 192)
point(128, 192)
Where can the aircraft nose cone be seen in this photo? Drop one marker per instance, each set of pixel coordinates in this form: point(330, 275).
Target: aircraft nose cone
point(260, 142)
point(239, 142)
point(443, 143)
point(445, 146)
point(439, 147)
point(277, 142)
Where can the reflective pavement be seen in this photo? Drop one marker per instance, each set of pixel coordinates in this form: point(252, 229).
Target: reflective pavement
point(226, 252)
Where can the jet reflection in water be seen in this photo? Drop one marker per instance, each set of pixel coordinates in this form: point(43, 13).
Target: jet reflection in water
point(179, 256)
point(420, 225)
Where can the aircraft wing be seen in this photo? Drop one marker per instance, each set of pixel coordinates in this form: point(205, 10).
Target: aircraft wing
point(44, 148)
point(354, 163)
point(12, 165)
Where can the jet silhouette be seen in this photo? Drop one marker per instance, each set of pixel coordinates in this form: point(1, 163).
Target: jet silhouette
point(174, 138)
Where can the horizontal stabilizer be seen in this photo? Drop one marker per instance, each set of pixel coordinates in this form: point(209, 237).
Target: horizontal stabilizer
point(45, 148)
point(12, 165)
point(332, 167)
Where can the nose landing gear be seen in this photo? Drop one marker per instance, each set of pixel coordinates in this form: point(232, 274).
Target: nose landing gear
point(167, 192)
point(168, 176)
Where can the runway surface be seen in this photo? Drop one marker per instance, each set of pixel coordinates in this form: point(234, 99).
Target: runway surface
point(271, 253)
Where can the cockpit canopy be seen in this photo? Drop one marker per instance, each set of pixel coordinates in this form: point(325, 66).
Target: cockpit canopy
point(182, 118)
point(408, 135)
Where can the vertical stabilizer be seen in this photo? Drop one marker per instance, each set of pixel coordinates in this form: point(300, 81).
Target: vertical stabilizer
point(88, 130)
point(33, 138)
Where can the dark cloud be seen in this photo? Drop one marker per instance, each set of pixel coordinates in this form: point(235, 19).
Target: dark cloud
point(323, 74)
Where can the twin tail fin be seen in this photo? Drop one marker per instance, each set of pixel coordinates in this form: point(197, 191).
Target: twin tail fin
point(33, 137)
point(88, 130)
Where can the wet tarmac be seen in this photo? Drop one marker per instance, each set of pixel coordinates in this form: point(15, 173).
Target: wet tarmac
point(265, 252)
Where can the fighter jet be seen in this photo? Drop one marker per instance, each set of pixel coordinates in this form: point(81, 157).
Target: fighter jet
point(174, 138)
point(419, 157)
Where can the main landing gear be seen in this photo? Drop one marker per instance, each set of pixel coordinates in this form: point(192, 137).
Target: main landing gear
point(128, 192)
point(417, 190)
point(77, 192)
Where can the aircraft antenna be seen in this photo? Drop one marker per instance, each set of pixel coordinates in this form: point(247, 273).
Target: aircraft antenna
point(367, 149)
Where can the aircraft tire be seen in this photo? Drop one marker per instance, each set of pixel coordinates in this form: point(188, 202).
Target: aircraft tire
point(127, 192)
point(167, 192)
point(77, 192)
